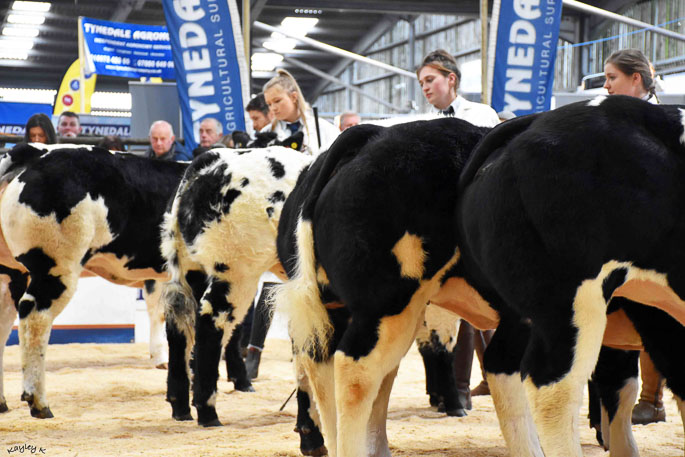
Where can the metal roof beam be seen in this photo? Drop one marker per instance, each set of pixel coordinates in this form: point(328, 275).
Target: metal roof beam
point(463, 7)
point(124, 8)
point(322, 74)
point(364, 43)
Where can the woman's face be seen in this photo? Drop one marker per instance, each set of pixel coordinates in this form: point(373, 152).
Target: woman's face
point(619, 83)
point(439, 90)
point(37, 135)
point(282, 104)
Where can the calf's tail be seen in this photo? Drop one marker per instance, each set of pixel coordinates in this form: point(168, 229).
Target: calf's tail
point(179, 302)
point(310, 327)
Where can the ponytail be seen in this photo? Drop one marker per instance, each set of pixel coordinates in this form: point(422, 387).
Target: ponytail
point(286, 81)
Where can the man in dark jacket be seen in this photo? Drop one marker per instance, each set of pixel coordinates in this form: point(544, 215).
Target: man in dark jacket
point(163, 144)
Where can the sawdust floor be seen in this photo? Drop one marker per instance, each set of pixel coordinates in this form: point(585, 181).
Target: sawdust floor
point(109, 401)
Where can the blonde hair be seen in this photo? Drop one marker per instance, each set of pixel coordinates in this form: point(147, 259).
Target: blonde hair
point(286, 81)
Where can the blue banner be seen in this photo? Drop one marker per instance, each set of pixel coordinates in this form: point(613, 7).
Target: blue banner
point(13, 116)
point(127, 50)
point(211, 71)
point(526, 46)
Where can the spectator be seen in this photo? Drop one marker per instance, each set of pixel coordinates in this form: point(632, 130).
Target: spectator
point(292, 114)
point(112, 143)
point(349, 119)
point(259, 113)
point(211, 133)
point(439, 78)
point(628, 72)
point(69, 125)
point(163, 144)
point(39, 129)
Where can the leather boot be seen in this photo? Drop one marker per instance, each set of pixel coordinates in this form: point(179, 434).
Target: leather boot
point(650, 408)
point(481, 341)
point(463, 361)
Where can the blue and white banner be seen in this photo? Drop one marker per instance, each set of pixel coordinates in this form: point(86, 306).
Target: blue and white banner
point(13, 115)
point(127, 50)
point(211, 70)
point(523, 47)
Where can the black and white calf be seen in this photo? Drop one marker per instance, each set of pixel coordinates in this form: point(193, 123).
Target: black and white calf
point(218, 239)
point(558, 213)
point(367, 239)
point(67, 212)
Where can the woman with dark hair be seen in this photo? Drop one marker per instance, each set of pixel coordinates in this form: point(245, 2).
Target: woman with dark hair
point(628, 72)
point(39, 129)
point(439, 78)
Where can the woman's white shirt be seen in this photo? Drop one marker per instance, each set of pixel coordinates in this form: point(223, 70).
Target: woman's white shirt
point(329, 133)
point(476, 113)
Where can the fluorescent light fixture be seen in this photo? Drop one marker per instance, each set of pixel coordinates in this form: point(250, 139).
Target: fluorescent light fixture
point(263, 74)
point(26, 32)
point(265, 61)
point(12, 94)
point(111, 101)
point(16, 43)
point(299, 26)
point(42, 7)
point(280, 43)
point(110, 113)
point(27, 19)
point(13, 54)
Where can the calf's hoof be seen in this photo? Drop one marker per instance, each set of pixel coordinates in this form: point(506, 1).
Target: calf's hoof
point(457, 412)
point(182, 417)
point(434, 400)
point(244, 388)
point(3, 407)
point(212, 423)
point(162, 366)
point(206, 417)
point(319, 451)
point(43, 413)
point(311, 441)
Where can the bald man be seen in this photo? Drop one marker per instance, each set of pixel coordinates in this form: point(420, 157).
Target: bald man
point(163, 143)
point(211, 133)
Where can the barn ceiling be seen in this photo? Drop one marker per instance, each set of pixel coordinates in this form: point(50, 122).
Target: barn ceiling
point(352, 25)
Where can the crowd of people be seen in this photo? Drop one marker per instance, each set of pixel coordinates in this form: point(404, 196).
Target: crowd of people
point(281, 109)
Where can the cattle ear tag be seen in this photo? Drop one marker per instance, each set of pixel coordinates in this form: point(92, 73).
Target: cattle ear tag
point(293, 145)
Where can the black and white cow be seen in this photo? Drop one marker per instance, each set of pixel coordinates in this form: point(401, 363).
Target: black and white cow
point(559, 213)
point(385, 250)
point(367, 232)
point(218, 239)
point(70, 212)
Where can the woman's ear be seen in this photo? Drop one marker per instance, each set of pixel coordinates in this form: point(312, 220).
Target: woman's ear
point(293, 97)
point(452, 81)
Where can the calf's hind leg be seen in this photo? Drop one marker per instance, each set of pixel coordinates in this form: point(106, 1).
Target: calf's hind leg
point(46, 296)
point(561, 356)
point(360, 372)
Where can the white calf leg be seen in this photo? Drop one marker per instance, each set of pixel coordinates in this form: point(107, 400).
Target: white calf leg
point(515, 419)
point(622, 443)
point(159, 349)
point(321, 381)
point(681, 408)
point(378, 435)
point(7, 315)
